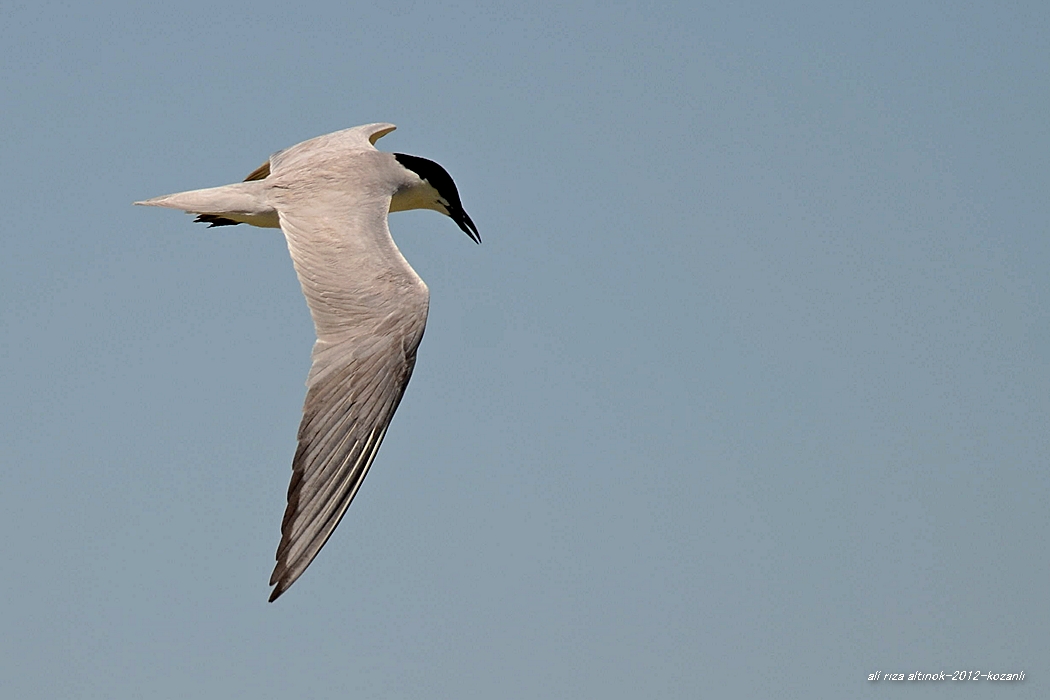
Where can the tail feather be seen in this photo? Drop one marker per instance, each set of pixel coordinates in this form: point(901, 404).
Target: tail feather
point(243, 202)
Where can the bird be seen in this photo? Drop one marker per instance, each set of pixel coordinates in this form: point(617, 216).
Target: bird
point(330, 196)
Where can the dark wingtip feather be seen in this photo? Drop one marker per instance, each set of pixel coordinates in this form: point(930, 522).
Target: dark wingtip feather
point(215, 220)
point(260, 173)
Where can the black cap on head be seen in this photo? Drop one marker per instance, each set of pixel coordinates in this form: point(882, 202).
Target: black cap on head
point(441, 181)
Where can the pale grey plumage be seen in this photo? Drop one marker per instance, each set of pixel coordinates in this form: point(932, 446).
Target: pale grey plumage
point(331, 196)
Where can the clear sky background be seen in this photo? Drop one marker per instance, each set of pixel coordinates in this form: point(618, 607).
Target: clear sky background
point(746, 393)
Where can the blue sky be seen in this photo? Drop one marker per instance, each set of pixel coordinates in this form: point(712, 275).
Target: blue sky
point(745, 394)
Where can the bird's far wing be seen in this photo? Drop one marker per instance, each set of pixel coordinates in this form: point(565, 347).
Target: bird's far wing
point(260, 173)
point(353, 139)
point(360, 369)
point(371, 132)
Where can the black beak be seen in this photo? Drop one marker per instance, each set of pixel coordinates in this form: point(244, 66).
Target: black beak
point(463, 221)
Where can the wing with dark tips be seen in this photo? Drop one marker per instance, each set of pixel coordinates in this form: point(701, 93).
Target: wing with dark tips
point(368, 330)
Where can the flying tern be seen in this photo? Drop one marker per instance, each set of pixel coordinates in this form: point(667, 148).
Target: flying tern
point(331, 196)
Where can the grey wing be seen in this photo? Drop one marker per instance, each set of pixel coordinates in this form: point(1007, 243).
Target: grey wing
point(351, 399)
point(370, 311)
